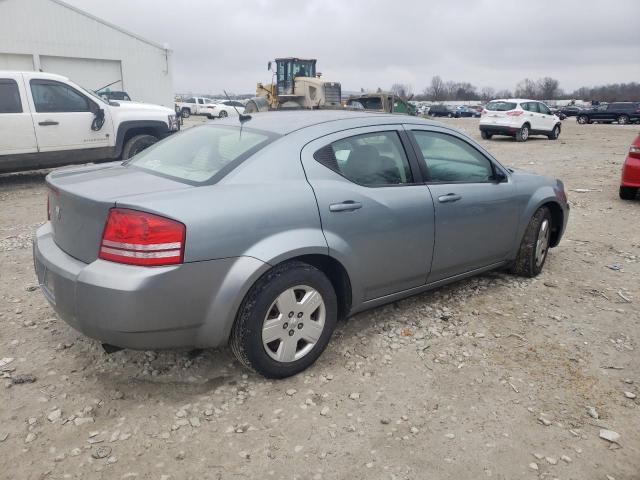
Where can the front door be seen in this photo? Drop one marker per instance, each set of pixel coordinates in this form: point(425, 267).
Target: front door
point(377, 220)
point(62, 117)
point(476, 217)
point(547, 119)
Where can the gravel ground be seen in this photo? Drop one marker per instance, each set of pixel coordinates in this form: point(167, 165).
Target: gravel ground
point(492, 377)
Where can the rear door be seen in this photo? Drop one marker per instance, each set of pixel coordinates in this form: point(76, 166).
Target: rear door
point(476, 216)
point(16, 125)
point(62, 117)
point(377, 219)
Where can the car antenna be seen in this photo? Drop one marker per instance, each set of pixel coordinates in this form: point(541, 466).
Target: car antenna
point(243, 118)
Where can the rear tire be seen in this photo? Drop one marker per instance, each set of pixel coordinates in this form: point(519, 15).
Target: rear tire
point(623, 119)
point(186, 113)
point(628, 193)
point(485, 135)
point(555, 133)
point(223, 114)
point(137, 144)
point(582, 119)
point(535, 245)
point(522, 135)
point(257, 310)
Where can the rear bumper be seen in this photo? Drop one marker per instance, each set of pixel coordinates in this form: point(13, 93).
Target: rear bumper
point(630, 173)
point(188, 305)
point(498, 129)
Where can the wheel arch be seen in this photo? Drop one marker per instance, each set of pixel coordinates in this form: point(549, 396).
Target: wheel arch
point(128, 130)
point(545, 197)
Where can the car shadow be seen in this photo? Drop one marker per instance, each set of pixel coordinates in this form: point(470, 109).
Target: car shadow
point(20, 179)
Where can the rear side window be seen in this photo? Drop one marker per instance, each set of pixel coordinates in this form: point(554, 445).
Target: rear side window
point(9, 96)
point(196, 155)
point(530, 106)
point(51, 97)
point(372, 159)
point(450, 160)
point(500, 106)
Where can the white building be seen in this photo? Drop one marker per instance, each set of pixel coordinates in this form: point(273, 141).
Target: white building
point(52, 36)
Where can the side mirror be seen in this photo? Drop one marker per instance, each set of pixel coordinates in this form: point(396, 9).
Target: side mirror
point(98, 120)
point(499, 176)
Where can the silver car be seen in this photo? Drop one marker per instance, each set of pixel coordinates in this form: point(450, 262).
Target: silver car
point(263, 235)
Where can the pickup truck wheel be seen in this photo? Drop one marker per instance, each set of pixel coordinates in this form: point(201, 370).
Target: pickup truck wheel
point(286, 320)
point(223, 114)
point(485, 135)
point(583, 119)
point(186, 113)
point(535, 245)
point(137, 144)
point(623, 119)
point(522, 135)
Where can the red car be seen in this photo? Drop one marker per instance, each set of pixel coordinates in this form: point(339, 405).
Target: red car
point(630, 182)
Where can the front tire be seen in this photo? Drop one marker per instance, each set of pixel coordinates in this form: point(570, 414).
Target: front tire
point(485, 135)
point(286, 320)
point(582, 119)
point(555, 133)
point(223, 114)
point(535, 245)
point(623, 119)
point(628, 193)
point(522, 135)
point(137, 144)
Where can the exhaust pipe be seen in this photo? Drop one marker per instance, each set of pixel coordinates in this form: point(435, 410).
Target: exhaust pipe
point(109, 349)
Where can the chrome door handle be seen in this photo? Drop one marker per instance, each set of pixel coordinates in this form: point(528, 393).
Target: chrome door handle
point(449, 197)
point(47, 123)
point(346, 206)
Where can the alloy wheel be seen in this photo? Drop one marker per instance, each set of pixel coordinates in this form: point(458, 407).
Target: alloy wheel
point(293, 324)
point(542, 245)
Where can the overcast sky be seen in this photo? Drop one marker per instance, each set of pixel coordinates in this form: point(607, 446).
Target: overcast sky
point(226, 44)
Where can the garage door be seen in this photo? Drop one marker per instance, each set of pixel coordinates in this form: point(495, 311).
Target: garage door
point(11, 61)
point(87, 72)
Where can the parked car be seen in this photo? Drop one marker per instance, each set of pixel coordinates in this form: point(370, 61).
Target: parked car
point(46, 121)
point(557, 113)
point(621, 112)
point(630, 182)
point(467, 112)
point(380, 102)
point(519, 118)
point(226, 108)
point(195, 106)
point(569, 110)
point(311, 216)
point(443, 111)
point(423, 110)
point(114, 95)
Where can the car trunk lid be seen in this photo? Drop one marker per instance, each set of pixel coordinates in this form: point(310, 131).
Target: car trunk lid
point(80, 199)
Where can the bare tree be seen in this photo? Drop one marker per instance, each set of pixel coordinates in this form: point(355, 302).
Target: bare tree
point(504, 94)
point(527, 89)
point(403, 91)
point(487, 93)
point(548, 88)
point(437, 88)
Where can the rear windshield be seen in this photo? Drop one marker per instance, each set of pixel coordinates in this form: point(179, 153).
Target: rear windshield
point(500, 106)
point(196, 155)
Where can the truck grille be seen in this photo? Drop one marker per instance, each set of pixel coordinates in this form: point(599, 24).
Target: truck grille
point(332, 94)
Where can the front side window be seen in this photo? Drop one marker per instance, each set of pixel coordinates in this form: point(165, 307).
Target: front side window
point(372, 159)
point(52, 97)
point(449, 159)
point(544, 109)
point(9, 96)
point(196, 155)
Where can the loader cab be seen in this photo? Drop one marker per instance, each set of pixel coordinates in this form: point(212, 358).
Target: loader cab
point(287, 69)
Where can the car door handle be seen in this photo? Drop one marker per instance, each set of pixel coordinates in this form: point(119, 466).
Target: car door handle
point(346, 206)
point(47, 123)
point(449, 197)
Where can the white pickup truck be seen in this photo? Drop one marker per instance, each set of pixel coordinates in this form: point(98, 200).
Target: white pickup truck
point(48, 121)
point(195, 106)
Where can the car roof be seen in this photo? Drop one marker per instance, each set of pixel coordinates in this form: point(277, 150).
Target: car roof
point(285, 122)
point(516, 100)
point(42, 75)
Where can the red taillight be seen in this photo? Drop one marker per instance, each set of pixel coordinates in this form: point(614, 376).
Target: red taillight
point(634, 152)
point(515, 113)
point(141, 238)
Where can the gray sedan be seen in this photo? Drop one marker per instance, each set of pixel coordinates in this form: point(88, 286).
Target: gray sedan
point(263, 235)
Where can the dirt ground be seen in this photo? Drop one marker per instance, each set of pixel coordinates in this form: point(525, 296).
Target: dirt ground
point(491, 377)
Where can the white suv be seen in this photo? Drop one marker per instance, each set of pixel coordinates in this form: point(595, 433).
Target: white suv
point(518, 118)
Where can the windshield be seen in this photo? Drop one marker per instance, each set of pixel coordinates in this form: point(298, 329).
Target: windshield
point(369, 103)
point(198, 154)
